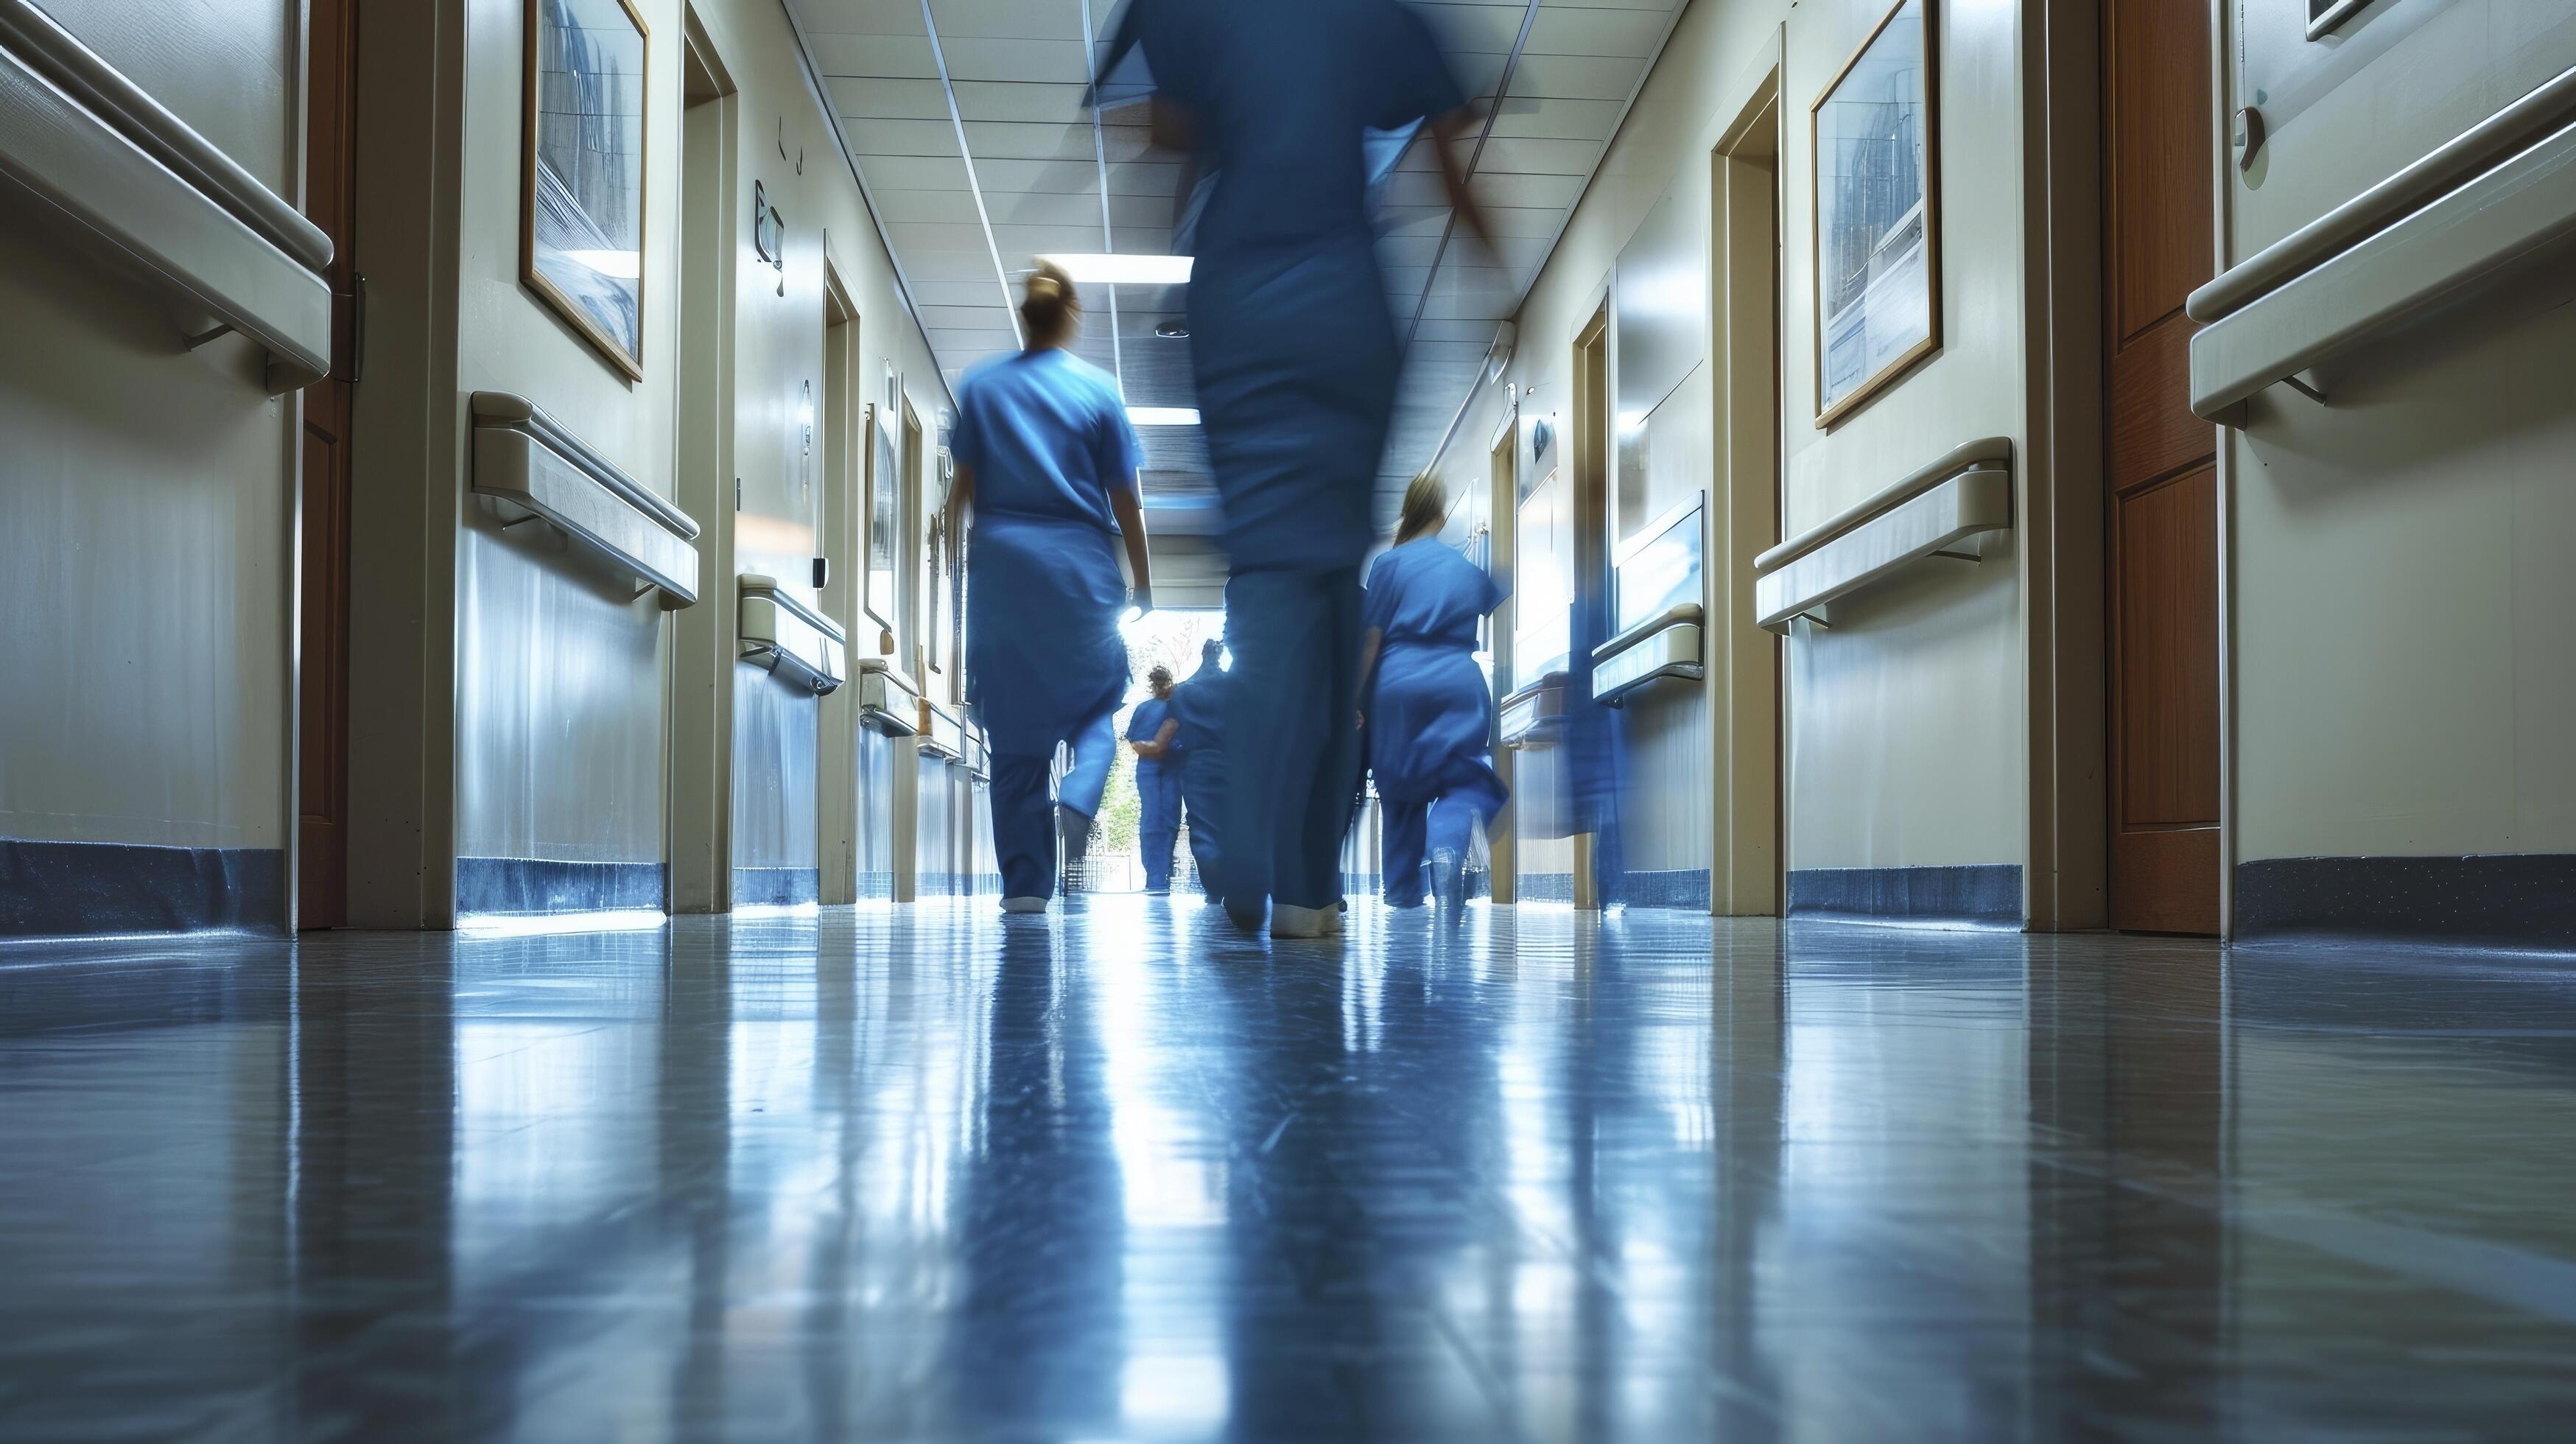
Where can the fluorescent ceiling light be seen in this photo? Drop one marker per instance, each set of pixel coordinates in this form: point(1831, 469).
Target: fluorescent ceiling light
point(1125, 270)
point(1163, 415)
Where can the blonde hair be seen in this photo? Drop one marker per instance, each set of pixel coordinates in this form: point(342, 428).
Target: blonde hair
point(1050, 306)
point(1426, 507)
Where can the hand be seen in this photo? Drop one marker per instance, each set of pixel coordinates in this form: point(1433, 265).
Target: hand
point(1141, 598)
point(1362, 724)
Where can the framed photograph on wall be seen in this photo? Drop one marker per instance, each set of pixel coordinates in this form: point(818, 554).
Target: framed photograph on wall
point(581, 217)
point(882, 517)
point(1874, 143)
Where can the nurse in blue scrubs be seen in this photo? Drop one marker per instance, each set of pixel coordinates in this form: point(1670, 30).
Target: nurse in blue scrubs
point(1046, 458)
point(1152, 733)
point(1199, 708)
point(1295, 357)
point(1431, 716)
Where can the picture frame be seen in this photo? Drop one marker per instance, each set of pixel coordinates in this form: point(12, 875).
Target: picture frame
point(881, 519)
point(585, 120)
point(1874, 158)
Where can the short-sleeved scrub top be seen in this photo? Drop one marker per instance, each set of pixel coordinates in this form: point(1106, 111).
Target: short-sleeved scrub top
point(1293, 347)
point(1431, 703)
point(1047, 438)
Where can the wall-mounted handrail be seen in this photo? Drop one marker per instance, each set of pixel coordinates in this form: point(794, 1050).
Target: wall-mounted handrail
point(2544, 108)
point(1678, 615)
point(1942, 510)
point(1987, 451)
point(80, 137)
point(887, 699)
point(55, 53)
point(528, 464)
point(502, 408)
point(1662, 646)
point(778, 630)
point(2488, 226)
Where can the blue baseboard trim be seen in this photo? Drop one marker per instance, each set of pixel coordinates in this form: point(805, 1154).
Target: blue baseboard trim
point(1981, 895)
point(876, 887)
point(2498, 900)
point(1679, 887)
point(779, 886)
point(72, 889)
point(540, 886)
point(1547, 887)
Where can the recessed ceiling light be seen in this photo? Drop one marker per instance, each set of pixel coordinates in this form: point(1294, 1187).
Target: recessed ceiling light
point(1172, 331)
point(1120, 270)
point(1163, 415)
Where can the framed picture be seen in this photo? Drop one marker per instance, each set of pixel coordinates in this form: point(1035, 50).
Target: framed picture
point(882, 516)
point(1874, 140)
point(581, 219)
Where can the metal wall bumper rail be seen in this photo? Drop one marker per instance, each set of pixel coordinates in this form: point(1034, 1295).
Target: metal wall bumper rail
point(2501, 193)
point(888, 701)
point(941, 733)
point(1943, 509)
point(797, 644)
point(99, 151)
point(1531, 718)
point(1665, 646)
point(528, 466)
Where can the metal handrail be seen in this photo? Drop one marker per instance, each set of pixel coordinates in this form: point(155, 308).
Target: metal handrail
point(1981, 453)
point(503, 408)
point(41, 42)
point(2544, 108)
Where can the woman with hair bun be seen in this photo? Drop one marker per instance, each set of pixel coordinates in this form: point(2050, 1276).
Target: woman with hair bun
point(1047, 460)
point(1432, 715)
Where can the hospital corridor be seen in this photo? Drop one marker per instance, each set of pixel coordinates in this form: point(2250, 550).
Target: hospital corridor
point(1159, 720)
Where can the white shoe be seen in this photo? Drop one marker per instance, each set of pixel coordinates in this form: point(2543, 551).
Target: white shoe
point(1024, 904)
point(1290, 921)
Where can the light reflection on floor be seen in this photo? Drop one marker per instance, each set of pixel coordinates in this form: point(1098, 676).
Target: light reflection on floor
point(918, 1173)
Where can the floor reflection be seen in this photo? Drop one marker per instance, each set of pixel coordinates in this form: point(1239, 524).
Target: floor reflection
point(922, 1174)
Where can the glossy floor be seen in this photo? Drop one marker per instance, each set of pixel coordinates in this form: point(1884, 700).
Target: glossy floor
point(923, 1174)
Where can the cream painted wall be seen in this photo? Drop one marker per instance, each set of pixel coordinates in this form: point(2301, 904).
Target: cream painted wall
point(2404, 675)
point(1906, 742)
point(229, 68)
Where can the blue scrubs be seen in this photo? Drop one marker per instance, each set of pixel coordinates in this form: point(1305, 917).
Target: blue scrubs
point(1295, 358)
point(1158, 788)
point(1047, 438)
point(1431, 714)
point(1201, 705)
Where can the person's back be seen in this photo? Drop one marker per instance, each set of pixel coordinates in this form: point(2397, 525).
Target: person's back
point(1050, 439)
point(1425, 594)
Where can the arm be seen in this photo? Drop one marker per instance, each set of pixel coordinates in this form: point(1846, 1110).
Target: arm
point(1131, 525)
point(961, 499)
point(1161, 743)
point(1446, 129)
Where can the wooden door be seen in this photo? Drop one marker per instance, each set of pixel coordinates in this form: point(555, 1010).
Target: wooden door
point(322, 871)
point(2162, 510)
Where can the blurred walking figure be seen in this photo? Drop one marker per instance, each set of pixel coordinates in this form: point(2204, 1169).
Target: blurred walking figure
point(1431, 716)
point(1048, 462)
point(1295, 360)
point(1151, 730)
point(1199, 708)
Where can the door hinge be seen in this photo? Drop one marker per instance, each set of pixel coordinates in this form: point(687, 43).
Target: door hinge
point(737, 493)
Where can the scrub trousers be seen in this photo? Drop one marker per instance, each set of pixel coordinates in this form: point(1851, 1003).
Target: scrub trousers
point(1291, 748)
point(1203, 790)
point(1024, 822)
point(1418, 829)
point(1158, 789)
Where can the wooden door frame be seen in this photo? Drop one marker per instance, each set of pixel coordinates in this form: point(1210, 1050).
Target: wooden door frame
point(330, 58)
point(698, 832)
point(2059, 507)
point(843, 415)
point(1502, 537)
point(1588, 483)
point(1742, 516)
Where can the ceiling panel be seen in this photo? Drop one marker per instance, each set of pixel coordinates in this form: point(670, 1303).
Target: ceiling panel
point(1044, 175)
